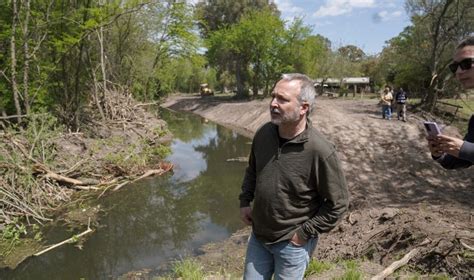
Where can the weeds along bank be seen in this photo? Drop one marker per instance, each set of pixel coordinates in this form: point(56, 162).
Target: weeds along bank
point(44, 167)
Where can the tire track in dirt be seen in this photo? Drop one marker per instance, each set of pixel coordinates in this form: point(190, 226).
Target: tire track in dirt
point(386, 162)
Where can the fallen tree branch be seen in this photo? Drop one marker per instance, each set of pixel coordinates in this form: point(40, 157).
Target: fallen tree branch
point(83, 188)
point(145, 104)
point(109, 185)
point(69, 240)
point(466, 246)
point(146, 174)
point(12, 117)
point(74, 167)
point(396, 265)
point(50, 174)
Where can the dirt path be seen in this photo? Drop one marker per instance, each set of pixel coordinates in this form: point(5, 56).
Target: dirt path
point(399, 196)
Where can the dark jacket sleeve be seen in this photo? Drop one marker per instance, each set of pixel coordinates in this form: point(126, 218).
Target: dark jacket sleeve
point(332, 188)
point(248, 185)
point(466, 154)
point(452, 162)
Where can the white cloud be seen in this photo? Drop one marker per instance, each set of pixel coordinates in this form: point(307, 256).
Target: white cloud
point(388, 3)
point(340, 7)
point(397, 14)
point(322, 23)
point(285, 6)
point(386, 16)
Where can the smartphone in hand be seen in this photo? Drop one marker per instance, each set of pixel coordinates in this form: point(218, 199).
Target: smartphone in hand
point(432, 128)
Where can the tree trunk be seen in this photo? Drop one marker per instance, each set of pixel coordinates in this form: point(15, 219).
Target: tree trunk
point(26, 68)
point(256, 75)
point(16, 93)
point(96, 87)
point(432, 96)
point(435, 59)
point(102, 67)
point(239, 79)
point(77, 79)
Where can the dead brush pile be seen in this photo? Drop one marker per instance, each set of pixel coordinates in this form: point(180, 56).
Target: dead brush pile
point(433, 239)
point(43, 164)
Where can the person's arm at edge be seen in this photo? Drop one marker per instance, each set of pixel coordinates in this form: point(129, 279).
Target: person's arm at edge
point(467, 151)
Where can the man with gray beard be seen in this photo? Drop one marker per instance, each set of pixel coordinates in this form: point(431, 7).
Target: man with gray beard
point(293, 189)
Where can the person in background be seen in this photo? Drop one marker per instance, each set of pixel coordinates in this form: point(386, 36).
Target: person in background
point(296, 184)
point(401, 99)
point(452, 152)
point(386, 101)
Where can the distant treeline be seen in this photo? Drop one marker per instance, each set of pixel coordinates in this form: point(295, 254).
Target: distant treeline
point(59, 56)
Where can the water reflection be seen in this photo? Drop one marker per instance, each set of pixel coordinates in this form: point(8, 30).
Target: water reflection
point(158, 219)
point(189, 162)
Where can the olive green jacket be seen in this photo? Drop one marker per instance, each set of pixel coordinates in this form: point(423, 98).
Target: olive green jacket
point(299, 187)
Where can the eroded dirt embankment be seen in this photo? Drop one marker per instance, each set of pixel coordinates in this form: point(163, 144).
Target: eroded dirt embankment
point(400, 198)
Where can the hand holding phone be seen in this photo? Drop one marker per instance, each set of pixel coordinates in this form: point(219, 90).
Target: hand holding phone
point(432, 128)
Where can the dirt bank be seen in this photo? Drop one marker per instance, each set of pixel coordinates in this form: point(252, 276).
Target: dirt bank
point(400, 198)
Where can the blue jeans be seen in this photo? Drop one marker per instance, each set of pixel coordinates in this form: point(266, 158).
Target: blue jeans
point(386, 111)
point(283, 259)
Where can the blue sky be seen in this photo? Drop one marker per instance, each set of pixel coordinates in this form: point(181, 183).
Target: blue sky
point(364, 23)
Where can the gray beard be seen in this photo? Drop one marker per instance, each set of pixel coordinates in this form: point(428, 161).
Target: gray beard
point(290, 117)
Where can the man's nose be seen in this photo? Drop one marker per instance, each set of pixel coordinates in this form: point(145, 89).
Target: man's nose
point(273, 103)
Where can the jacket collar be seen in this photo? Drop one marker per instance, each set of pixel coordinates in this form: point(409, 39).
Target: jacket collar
point(300, 138)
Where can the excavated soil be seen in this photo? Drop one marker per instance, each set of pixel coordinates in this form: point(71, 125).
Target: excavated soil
point(400, 198)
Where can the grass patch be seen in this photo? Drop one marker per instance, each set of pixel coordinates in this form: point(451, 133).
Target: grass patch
point(467, 106)
point(317, 267)
point(352, 271)
point(186, 269)
point(441, 277)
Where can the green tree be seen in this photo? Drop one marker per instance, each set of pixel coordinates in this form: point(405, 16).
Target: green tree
point(310, 55)
point(169, 27)
point(216, 16)
point(437, 26)
point(260, 38)
point(352, 53)
point(265, 49)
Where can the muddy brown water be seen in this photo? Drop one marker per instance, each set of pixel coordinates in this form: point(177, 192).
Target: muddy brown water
point(155, 221)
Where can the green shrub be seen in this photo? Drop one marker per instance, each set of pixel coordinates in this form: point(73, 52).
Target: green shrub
point(41, 130)
point(11, 236)
point(317, 267)
point(188, 269)
point(352, 271)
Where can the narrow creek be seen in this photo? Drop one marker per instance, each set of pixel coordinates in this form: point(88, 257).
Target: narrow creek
point(147, 224)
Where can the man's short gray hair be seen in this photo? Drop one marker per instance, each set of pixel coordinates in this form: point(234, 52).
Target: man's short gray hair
point(307, 91)
point(468, 41)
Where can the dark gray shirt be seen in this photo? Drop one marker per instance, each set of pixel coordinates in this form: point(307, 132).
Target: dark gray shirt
point(296, 188)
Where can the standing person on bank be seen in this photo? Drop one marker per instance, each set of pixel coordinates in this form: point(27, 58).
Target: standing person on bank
point(296, 183)
point(452, 152)
point(386, 101)
point(401, 99)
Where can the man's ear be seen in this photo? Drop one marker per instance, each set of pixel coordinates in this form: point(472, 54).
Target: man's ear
point(304, 108)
